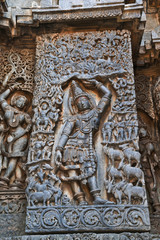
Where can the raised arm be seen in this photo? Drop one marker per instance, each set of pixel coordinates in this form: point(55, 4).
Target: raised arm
point(106, 98)
point(3, 96)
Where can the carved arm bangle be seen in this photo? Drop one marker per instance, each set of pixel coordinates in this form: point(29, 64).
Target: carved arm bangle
point(98, 84)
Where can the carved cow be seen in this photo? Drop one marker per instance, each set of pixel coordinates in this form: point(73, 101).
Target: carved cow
point(134, 191)
point(113, 173)
point(131, 154)
point(114, 154)
point(44, 197)
point(132, 172)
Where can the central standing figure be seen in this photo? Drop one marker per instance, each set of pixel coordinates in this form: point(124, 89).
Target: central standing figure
point(75, 153)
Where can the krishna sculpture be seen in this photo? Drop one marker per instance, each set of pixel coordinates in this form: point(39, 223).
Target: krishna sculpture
point(75, 153)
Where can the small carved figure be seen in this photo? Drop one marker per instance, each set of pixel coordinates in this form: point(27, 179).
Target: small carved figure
point(43, 121)
point(113, 154)
point(15, 141)
point(75, 153)
point(39, 148)
point(129, 128)
point(120, 129)
point(135, 126)
point(65, 200)
point(107, 130)
point(2, 132)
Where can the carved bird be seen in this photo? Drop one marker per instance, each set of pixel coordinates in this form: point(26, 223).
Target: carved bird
point(33, 168)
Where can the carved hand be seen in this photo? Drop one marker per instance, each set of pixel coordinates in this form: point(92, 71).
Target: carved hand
point(15, 87)
point(92, 83)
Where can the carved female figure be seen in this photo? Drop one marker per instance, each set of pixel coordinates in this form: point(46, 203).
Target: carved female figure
point(14, 143)
point(75, 153)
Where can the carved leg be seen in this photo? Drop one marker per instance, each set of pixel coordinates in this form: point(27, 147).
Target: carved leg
point(129, 198)
point(11, 167)
point(55, 198)
point(39, 153)
point(104, 137)
point(92, 182)
point(76, 189)
point(109, 136)
point(120, 197)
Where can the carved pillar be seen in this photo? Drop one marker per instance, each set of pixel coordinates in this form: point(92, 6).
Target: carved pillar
point(83, 163)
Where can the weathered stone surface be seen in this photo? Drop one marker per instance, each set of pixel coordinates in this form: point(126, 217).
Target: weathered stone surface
point(12, 213)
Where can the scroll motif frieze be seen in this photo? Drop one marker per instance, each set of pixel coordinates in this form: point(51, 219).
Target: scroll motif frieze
point(82, 218)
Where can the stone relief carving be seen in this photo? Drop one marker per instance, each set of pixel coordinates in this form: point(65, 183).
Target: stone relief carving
point(85, 130)
point(149, 161)
point(15, 110)
point(147, 104)
point(75, 153)
point(144, 97)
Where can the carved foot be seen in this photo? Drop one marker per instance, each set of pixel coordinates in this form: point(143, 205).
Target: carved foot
point(99, 200)
point(17, 185)
point(4, 182)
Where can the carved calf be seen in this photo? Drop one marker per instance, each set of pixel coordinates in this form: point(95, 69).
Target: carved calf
point(43, 197)
point(57, 196)
point(115, 189)
point(113, 173)
point(114, 154)
point(132, 172)
point(134, 191)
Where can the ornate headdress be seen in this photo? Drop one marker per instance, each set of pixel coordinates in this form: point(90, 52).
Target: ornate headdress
point(77, 91)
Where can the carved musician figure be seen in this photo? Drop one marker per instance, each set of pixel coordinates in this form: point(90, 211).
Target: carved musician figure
point(75, 153)
point(15, 140)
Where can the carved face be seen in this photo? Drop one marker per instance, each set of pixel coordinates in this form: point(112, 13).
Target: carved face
point(20, 102)
point(44, 106)
point(83, 103)
point(142, 132)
